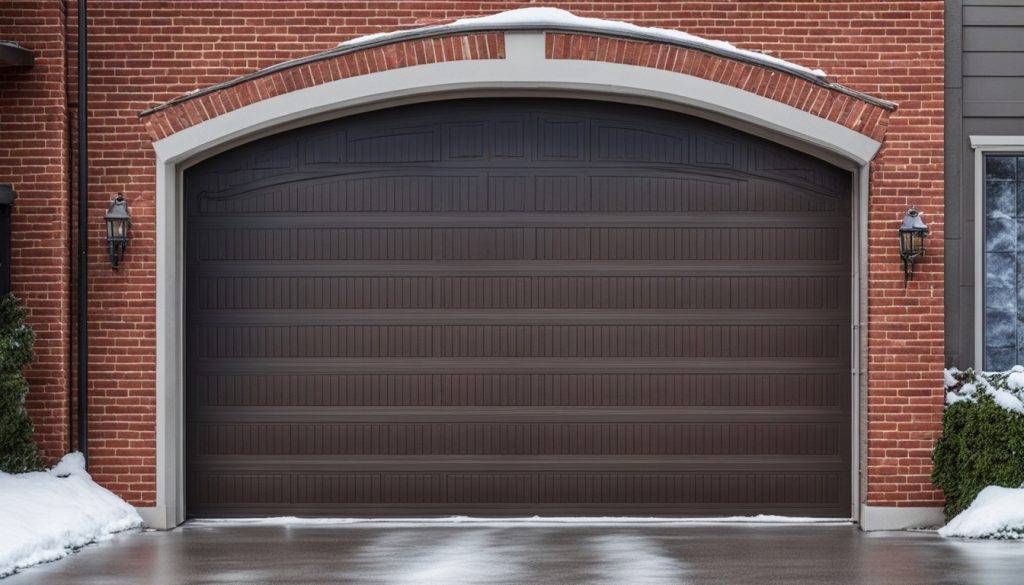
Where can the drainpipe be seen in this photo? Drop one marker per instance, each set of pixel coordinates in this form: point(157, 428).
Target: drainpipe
point(83, 232)
point(7, 196)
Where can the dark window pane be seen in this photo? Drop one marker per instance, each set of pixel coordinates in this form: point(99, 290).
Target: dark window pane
point(1000, 235)
point(1000, 358)
point(1004, 260)
point(1000, 198)
point(1001, 270)
point(1001, 168)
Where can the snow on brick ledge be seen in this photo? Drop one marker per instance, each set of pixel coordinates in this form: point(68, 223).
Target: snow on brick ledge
point(540, 17)
point(45, 515)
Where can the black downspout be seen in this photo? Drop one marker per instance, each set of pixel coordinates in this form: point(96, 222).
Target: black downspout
point(7, 196)
point(83, 233)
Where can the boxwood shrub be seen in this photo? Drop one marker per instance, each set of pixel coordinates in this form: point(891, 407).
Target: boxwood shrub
point(982, 440)
point(17, 451)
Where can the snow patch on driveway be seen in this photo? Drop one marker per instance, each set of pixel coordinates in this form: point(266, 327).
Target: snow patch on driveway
point(997, 512)
point(45, 515)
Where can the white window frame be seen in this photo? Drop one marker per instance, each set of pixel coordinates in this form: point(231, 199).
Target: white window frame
point(984, 145)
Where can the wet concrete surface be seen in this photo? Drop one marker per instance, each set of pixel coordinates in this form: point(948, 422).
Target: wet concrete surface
point(500, 553)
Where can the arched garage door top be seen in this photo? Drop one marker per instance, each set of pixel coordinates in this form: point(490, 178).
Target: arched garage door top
point(624, 46)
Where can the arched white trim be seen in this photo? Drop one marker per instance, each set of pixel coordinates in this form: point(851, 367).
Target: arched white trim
point(524, 71)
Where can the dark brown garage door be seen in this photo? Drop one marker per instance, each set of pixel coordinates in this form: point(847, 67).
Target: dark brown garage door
point(517, 307)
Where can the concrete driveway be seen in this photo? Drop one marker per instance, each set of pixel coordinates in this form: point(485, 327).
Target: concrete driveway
point(502, 553)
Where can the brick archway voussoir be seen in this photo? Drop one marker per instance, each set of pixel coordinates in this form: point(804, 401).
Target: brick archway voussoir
point(826, 100)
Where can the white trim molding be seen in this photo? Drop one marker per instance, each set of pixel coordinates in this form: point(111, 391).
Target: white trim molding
point(874, 518)
point(983, 145)
point(158, 518)
point(525, 71)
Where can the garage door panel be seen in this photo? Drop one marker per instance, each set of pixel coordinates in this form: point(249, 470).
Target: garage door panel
point(490, 316)
point(515, 190)
point(250, 293)
point(757, 392)
point(549, 138)
point(553, 493)
point(521, 341)
point(467, 365)
point(516, 307)
point(495, 243)
point(392, 435)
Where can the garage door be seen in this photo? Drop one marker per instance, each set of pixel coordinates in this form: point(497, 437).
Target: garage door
point(517, 307)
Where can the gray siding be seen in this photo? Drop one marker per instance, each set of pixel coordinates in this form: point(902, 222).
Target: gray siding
point(984, 96)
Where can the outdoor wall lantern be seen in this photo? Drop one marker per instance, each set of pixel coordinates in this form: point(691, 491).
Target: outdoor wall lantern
point(118, 224)
point(912, 234)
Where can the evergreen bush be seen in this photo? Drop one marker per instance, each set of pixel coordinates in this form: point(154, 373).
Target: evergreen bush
point(17, 451)
point(982, 440)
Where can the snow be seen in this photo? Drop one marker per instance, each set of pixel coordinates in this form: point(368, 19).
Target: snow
point(949, 377)
point(997, 512)
point(553, 16)
point(1005, 388)
point(1007, 400)
point(1015, 379)
point(532, 521)
point(45, 515)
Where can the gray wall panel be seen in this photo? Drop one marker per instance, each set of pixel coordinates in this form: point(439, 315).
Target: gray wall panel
point(993, 64)
point(994, 15)
point(994, 96)
point(984, 96)
point(992, 38)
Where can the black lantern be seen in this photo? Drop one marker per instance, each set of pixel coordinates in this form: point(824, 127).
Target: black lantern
point(118, 224)
point(912, 234)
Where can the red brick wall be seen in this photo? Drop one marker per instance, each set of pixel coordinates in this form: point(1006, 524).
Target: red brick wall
point(144, 53)
point(33, 157)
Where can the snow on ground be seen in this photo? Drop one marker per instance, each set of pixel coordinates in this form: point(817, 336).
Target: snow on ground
point(45, 515)
point(555, 16)
point(533, 521)
point(997, 512)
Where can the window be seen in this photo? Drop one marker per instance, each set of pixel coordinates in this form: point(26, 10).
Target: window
point(1003, 258)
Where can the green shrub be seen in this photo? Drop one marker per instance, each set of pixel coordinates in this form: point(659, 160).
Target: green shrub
point(982, 442)
point(17, 451)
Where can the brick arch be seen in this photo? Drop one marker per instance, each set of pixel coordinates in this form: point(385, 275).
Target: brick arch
point(829, 101)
